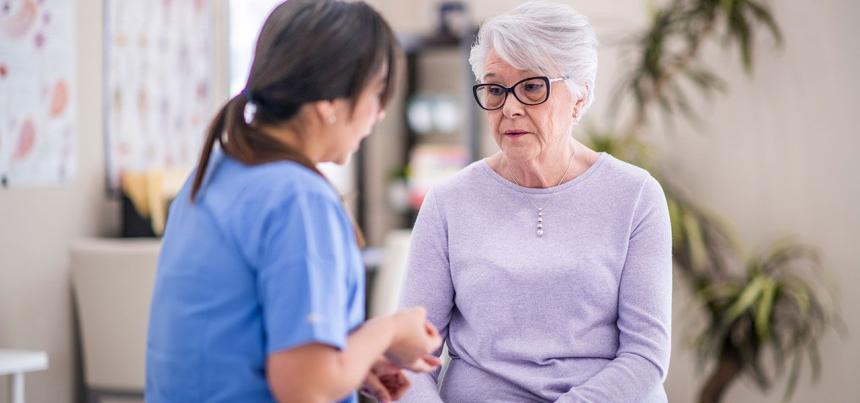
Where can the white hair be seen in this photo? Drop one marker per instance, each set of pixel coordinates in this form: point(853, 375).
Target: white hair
point(552, 39)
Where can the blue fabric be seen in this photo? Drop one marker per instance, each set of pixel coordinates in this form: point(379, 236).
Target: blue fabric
point(263, 261)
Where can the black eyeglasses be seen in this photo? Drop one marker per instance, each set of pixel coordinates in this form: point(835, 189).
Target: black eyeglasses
point(531, 91)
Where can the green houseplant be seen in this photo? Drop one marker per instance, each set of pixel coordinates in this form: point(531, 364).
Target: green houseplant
point(753, 303)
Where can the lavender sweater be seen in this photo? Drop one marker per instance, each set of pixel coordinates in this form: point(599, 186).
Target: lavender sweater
point(581, 314)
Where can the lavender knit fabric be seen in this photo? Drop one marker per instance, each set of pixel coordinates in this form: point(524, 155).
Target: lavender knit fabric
point(581, 314)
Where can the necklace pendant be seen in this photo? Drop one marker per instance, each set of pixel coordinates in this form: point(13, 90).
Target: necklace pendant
point(539, 230)
point(540, 223)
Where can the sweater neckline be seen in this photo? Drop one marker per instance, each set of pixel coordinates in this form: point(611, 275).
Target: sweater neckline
point(552, 189)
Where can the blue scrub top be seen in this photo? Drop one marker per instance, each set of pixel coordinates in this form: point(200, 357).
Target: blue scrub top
point(264, 260)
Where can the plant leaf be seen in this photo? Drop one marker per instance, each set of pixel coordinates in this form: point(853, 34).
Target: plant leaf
point(763, 311)
point(763, 14)
point(693, 232)
point(745, 300)
point(792, 377)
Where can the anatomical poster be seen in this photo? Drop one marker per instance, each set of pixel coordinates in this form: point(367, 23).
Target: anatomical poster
point(38, 139)
point(159, 83)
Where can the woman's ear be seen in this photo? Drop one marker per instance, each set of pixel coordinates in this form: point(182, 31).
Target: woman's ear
point(326, 111)
point(581, 101)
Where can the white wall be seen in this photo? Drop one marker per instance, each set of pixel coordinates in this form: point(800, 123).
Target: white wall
point(38, 224)
point(777, 157)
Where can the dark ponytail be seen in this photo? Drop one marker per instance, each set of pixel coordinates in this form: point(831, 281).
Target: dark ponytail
point(308, 50)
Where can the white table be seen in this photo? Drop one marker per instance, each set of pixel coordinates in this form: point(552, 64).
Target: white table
point(18, 362)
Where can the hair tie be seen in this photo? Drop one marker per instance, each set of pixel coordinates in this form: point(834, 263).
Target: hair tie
point(248, 96)
point(250, 108)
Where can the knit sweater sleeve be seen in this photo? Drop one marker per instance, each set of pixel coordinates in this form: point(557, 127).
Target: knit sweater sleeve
point(644, 309)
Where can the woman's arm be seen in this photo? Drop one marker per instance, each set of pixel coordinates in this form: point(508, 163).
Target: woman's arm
point(317, 372)
point(428, 284)
point(302, 286)
point(644, 310)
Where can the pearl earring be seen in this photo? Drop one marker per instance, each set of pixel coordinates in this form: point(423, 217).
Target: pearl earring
point(331, 119)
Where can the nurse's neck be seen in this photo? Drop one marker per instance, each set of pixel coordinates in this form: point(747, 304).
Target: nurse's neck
point(302, 135)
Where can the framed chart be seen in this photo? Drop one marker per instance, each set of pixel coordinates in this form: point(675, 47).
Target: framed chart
point(38, 140)
point(159, 88)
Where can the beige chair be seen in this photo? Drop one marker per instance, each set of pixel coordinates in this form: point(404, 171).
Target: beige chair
point(389, 277)
point(388, 283)
point(112, 281)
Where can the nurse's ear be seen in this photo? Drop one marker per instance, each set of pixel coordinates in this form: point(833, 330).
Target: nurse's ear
point(326, 111)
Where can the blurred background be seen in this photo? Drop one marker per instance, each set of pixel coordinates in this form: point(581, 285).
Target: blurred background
point(744, 109)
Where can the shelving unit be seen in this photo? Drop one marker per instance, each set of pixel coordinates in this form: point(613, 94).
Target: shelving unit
point(438, 48)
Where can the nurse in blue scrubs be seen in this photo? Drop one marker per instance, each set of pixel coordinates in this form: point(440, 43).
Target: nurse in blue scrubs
point(260, 289)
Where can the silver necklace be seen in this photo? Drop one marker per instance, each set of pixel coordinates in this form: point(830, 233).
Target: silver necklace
point(539, 231)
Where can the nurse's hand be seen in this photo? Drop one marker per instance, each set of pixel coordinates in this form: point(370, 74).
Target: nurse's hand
point(415, 340)
point(386, 382)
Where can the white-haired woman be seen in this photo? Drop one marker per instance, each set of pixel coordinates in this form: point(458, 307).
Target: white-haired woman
point(547, 267)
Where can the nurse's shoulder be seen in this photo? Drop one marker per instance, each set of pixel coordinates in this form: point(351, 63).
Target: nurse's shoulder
point(272, 184)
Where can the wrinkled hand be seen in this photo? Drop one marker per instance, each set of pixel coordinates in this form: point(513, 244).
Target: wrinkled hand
point(385, 382)
point(428, 362)
point(415, 341)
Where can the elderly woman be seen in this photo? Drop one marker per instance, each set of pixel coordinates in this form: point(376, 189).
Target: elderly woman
point(547, 267)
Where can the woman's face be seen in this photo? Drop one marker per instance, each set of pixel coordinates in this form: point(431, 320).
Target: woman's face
point(354, 124)
point(526, 132)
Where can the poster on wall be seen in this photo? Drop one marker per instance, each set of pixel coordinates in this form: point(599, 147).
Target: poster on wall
point(159, 83)
point(38, 144)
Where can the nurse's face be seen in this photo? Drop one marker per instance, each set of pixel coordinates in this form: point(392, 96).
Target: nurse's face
point(354, 123)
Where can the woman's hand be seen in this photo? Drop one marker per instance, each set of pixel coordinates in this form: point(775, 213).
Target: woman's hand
point(385, 382)
point(415, 339)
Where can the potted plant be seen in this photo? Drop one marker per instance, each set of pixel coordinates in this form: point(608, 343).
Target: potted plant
point(770, 301)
